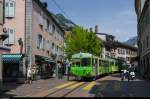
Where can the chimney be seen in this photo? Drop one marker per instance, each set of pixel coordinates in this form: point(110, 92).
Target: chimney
point(91, 29)
point(45, 4)
point(96, 29)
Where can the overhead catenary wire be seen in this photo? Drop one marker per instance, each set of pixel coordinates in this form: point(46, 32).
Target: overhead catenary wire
point(60, 8)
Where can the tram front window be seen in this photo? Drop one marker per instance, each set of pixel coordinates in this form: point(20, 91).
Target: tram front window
point(76, 62)
point(85, 62)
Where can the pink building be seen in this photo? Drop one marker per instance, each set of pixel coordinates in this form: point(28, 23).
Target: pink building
point(42, 36)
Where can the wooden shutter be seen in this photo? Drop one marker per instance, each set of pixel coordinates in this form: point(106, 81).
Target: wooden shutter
point(11, 9)
point(6, 9)
point(11, 36)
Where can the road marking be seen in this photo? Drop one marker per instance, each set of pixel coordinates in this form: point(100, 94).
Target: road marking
point(117, 86)
point(65, 85)
point(89, 86)
point(46, 92)
point(76, 85)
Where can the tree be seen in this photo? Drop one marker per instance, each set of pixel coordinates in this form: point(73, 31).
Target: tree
point(80, 40)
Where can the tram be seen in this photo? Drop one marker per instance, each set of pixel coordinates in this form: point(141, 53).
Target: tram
point(86, 65)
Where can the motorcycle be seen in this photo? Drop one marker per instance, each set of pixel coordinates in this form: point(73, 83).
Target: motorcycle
point(132, 75)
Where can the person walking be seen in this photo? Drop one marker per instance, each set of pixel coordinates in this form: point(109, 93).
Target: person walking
point(29, 76)
point(59, 70)
point(34, 71)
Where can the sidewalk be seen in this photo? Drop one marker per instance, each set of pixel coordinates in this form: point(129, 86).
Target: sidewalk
point(13, 89)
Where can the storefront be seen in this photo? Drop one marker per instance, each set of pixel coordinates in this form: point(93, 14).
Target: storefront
point(12, 67)
point(45, 67)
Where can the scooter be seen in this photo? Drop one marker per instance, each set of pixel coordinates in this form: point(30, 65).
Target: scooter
point(132, 75)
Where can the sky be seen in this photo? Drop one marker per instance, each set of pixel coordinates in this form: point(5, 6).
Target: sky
point(115, 17)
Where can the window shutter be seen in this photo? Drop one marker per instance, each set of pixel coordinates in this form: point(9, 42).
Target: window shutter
point(11, 9)
point(11, 36)
point(6, 9)
point(40, 19)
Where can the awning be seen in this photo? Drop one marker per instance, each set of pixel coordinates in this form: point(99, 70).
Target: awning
point(44, 59)
point(12, 58)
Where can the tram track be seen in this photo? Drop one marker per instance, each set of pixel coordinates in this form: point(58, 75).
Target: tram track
point(71, 90)
point(65, 91)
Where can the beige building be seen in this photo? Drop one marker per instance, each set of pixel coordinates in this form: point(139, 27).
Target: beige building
point(142, 8)
point(30, 21)
point(124, 52)
point(114, 49)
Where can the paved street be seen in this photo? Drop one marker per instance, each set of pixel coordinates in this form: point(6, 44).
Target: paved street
point(109, 86)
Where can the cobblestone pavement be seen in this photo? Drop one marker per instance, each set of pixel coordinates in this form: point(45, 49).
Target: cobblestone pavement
point(14, 89)
point(108, 86)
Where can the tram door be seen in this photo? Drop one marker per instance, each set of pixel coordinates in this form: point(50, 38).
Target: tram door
point(96, 66)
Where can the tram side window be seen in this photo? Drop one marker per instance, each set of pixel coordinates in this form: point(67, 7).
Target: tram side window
point(100, 63)
point(105, 62)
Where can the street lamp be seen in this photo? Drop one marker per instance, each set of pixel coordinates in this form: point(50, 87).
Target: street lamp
point(20, 44)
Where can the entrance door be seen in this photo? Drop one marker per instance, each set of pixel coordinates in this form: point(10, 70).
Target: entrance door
point(10, 72)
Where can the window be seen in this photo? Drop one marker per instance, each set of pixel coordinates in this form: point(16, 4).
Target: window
point(52, 45)
point(57, 48)
point(43, 46)
point(11, 39)
point(85, 62)
point(10, 9)
point(47, 25)
point(41, 20)
point(119, 51)
point(39, 42)
point(53, 30)
point(47, 45)
point(147, 40)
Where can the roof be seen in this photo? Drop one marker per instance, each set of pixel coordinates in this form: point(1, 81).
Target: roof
point(82, 55)
point(105, 34)
point(49, 14)
point(120, 44)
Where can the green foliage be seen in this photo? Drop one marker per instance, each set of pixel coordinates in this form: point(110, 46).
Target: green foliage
point(80, 40)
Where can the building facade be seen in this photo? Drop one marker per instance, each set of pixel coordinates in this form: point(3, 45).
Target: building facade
point(142, 8)
point(114, 49)
point(30, 22)
point(107, 41)
point(124, 52)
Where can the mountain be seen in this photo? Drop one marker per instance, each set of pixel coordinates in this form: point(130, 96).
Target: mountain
point(65, 23)
point(132, 41)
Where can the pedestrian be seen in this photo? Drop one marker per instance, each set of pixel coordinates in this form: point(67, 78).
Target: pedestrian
point(34, 71)
point(29, 76)
point(59, 70)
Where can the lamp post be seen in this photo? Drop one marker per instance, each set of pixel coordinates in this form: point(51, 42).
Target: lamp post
point(20, 44)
